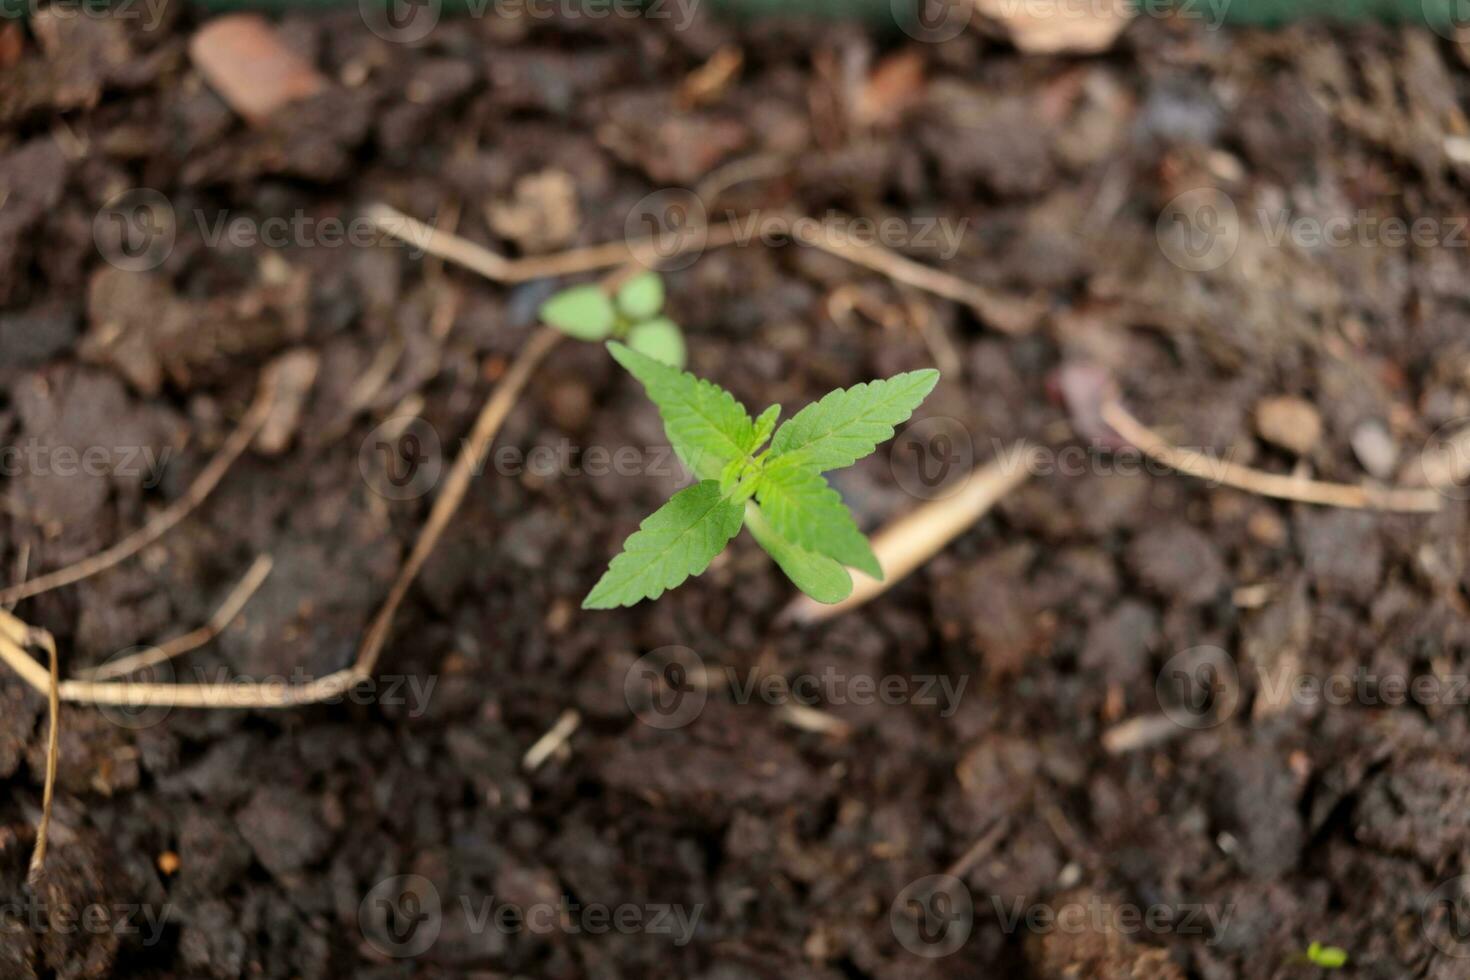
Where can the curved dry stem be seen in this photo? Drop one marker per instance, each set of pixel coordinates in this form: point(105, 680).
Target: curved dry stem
point(171, 515)
point(492, 416)
point(246, 693)
point(15, 636)
point(1226, 473)
point(497, 268)
point(1006, 314)
point(255, 576)
point(53, 751)
point(243, 693)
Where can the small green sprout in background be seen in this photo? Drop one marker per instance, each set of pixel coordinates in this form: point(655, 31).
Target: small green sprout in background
point(1327, 957)
point(778, 493)
point(633, 315)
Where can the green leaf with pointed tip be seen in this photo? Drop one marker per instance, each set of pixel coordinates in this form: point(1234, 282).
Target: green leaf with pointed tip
point(804, 509)
point(660, 339)
point(705, 424)
point(583, 312)
point(676, 541)
point(642, 296)
point(817, 575)
point(849, 423)
point(765, 424)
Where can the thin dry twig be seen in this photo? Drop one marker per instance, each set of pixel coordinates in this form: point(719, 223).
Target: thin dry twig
point(254, 577)
point(1255, 481)
point(736, 172)
point(979, 850)
point(223, 694)
point(14, 633)
point(809, 719)
point(164, 520)
point(16, 636)
point(53, 751)
point(936, 338)
point(492, 416)
point(250, 694)
point(497, 268)
point(913, 539)
point(850, 298)
point(1140, 733)
point(708, 82)
point(1005, 314)
point(556, 736)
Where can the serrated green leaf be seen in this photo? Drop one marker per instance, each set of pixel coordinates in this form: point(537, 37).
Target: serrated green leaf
point(849, 423)
point(730, 475)
point(817, 575)
point(765, 424)
point(738, 479)
point(583, 312)
point(676, 541)
point(642, 296)
point(660, 339)
point(705, 424)
point(804, 509)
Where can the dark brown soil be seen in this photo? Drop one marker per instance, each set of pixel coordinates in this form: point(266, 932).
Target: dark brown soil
point(1290, 822)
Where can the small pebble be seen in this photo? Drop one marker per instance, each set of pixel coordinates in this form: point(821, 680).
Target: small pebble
point(1267, 528)
point(245, 61)
point(1290, 423)
point(1375, 449)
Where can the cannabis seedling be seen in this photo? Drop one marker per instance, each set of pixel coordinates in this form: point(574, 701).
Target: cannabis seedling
point(633, 315)
point(779, 493)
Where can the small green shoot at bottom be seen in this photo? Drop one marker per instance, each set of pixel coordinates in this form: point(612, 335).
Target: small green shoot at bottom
point(779, 492)
point(1327, 957)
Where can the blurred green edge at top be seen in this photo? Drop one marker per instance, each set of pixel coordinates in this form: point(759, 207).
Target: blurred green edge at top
point(1438, 14)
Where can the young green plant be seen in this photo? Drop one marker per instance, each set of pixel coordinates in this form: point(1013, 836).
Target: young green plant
point(778, 492)
point(1327, 957)
point(633, 315)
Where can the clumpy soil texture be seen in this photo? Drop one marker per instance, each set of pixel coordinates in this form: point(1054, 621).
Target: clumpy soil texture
point(244, 844)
